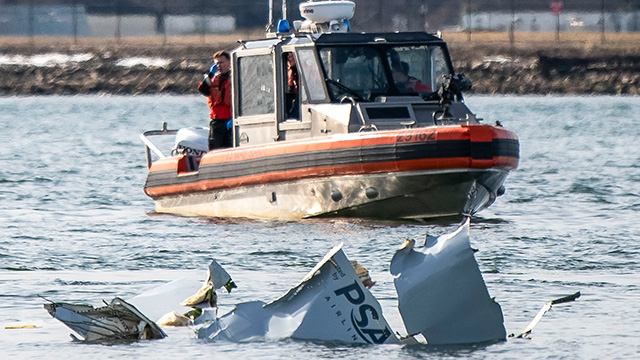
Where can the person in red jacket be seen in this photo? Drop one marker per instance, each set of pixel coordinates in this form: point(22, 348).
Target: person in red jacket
point(291, 93)
point(406, 83)
point(219, 100)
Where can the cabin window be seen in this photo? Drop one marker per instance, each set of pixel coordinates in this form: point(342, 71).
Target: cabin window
point(256, 85)
point(439, 65)
point(410, 65)
point(312, 76)
point(356, 72)
point(417, 69)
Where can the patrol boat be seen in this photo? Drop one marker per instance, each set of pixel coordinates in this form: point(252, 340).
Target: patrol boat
point(377, 129)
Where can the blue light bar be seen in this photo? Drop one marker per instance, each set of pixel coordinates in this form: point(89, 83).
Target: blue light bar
point(283, 26)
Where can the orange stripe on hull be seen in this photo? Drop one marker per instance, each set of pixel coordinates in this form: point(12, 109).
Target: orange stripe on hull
point(327, 171)
point(480, 134)
point(475, 133)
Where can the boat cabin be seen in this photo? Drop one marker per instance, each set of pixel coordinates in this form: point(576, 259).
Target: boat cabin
point(344, 82)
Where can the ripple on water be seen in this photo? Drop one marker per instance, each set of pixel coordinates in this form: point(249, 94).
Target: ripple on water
point(83, 283)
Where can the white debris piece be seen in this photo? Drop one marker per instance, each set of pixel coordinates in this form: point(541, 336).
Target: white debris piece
point(173, 319)
point(526, 333)
point(217, 277)
point(166, 298)
point(117, 320)
point(329, 304)
point(441, 293)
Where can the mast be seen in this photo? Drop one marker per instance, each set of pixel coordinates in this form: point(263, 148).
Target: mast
point(270, 25)
point(284, 9)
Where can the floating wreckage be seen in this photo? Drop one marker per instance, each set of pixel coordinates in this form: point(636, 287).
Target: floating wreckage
point(330, 303)
point(441, 296)
point(450, 304)
point(122, 320)
point(117, 320)
point(526, 333)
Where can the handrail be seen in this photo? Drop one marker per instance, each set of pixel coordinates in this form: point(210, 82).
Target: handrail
point(150, 146)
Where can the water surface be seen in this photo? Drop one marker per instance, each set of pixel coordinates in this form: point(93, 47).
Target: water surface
point(77, 227)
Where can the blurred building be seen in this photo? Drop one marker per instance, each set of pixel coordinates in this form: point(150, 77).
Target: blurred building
point(147, 17)
point(546, 21)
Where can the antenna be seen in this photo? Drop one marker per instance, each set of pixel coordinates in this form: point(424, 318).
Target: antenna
point(270, 25)
point(284, 9)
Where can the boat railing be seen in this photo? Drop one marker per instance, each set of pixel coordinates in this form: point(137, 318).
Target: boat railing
point(150, 146)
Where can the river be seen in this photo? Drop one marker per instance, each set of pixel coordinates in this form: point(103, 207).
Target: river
point(75, 226)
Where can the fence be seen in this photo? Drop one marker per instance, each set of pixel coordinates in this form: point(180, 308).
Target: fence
point(561, 17)
point(121, 19)
point(602, 17)
point(161, 18)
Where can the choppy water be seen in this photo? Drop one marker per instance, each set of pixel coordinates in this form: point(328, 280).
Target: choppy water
point(75, 226)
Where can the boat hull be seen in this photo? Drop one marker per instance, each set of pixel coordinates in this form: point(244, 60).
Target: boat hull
point(433, 194)
point(405, 174)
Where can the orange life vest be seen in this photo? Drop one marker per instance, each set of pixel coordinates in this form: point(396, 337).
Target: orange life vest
point(220, 97)
point(293, 80)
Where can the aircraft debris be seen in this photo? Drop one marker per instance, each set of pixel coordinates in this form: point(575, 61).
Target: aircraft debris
point(180, 301)
point(174, 319)
point(546, 307)
point(217, 278)
point(117, 320)
point(441, 293)
point(330, 304)
point(363, 274)
point(24, 326)
point(442, 299)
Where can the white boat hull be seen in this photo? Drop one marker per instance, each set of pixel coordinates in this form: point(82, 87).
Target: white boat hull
point(415, 195)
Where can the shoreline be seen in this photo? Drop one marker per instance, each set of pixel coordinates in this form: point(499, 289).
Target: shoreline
point(494, 67)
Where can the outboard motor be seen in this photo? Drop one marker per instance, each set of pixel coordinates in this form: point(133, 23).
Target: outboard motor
point(193, 141)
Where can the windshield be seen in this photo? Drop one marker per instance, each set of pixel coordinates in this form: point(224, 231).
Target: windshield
point(365, 72)
point(354, 71)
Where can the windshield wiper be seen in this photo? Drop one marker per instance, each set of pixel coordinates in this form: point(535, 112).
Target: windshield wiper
point(345, 88)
